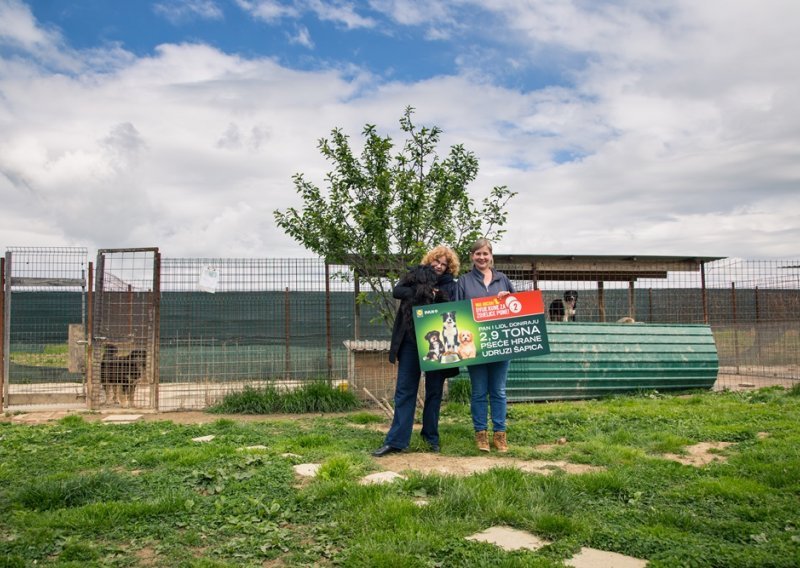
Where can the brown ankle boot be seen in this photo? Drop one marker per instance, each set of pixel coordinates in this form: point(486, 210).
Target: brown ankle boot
point(482, 439)
point(500, 442)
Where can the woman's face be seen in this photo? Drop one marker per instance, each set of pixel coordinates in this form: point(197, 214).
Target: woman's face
point(482, 258)
point(439, 265)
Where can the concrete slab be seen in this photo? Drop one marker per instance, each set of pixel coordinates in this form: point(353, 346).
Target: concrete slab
point(381, 477)
point(307, 469)
point(38, 417)
point(121, 418)
point(257, 448)
point(204, 438)
point(593, 558)
point(290, 455)
point(509, 539)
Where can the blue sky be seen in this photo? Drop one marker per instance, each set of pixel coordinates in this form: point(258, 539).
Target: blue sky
point(626, 127)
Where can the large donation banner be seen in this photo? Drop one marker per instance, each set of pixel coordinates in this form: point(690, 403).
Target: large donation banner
point(481, 330)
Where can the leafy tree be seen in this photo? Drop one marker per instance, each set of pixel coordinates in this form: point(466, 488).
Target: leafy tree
point(383, 211)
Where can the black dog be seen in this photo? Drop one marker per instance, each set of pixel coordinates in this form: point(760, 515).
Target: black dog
point(564, 310)
point(121, 374)
point(131, 369)
point(422, 279)
point(435, 346)
point(109, 373)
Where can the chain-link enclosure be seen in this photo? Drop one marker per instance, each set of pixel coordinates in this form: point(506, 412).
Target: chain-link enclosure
point(231, 323)
point(44, 323)
point(125, 329)
point(182, 333)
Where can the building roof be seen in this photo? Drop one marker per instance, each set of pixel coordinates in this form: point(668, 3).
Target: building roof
point(621, 268)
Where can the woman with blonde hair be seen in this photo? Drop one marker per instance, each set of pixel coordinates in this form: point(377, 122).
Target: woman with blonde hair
point(488, 379)
point(442, 262)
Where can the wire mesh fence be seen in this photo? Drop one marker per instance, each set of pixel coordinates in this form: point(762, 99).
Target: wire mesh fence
point(44, 324)
point(124, 344)
point(211, 326)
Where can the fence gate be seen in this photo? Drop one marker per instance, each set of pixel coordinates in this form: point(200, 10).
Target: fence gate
point(125, 329)
point(43, 326)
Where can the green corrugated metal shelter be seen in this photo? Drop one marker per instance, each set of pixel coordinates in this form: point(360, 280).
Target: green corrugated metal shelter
point(590, 360)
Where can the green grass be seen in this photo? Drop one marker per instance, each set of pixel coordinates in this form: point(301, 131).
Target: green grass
point(316, 396)
point(80, 493)
point(54, 355)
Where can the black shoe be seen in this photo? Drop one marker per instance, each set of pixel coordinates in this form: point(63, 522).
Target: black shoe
point(434, 448)
point(384, 450)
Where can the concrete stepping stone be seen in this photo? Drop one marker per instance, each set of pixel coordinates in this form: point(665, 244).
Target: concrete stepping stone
point(204, 438)
point(593, 558)
point(290, 455)
point(122, 418)
point(257, 448)
point(509, 539)
point(381, 477)
point(307, 469)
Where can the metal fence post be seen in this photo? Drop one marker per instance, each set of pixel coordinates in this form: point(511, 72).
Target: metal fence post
point(2, 332)
point(328, 339)
point(6, 328)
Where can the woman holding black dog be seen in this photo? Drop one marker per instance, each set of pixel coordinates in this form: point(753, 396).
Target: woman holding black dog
point(487, 379)
point(432, 281)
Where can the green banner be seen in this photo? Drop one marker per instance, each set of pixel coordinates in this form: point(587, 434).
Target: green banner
point(481, 330)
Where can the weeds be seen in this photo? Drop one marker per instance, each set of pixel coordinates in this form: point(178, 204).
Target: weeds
point(78, 493)
point(317, 396)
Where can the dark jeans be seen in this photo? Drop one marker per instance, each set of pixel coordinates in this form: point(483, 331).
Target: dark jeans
point(434, 388)
point(405, 399)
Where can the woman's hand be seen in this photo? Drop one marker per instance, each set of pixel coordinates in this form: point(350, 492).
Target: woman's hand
point(503, 293)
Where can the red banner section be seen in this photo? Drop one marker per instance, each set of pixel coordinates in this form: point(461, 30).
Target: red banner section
point(514, 305)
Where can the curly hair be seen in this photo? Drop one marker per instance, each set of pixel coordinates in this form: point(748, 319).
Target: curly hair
point(453, 264)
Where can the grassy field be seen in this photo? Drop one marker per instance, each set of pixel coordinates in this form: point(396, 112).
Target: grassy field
point(81, 493)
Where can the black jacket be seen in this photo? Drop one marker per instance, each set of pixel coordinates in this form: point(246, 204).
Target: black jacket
point(405, 293)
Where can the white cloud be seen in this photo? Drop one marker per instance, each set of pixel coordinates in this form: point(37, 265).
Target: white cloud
point(683, 123)
point(178, 11)
point(268, 10)
point(302, 37)
point(341, 13)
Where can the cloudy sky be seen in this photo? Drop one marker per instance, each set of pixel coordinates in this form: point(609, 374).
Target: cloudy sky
point(626, 126)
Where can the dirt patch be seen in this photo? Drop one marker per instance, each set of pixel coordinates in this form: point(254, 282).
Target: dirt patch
point(147, 556)
point(701, 454)
point(182, 417)
point(462, 466)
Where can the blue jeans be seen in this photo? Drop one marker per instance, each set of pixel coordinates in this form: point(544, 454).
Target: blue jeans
point(489, 380)
point(405, 400)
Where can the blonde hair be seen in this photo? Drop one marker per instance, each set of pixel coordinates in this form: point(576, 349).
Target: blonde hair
point(479, 244)
point(453, 264)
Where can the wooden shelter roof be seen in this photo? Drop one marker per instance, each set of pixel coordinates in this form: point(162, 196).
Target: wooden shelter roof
point(618, 268)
